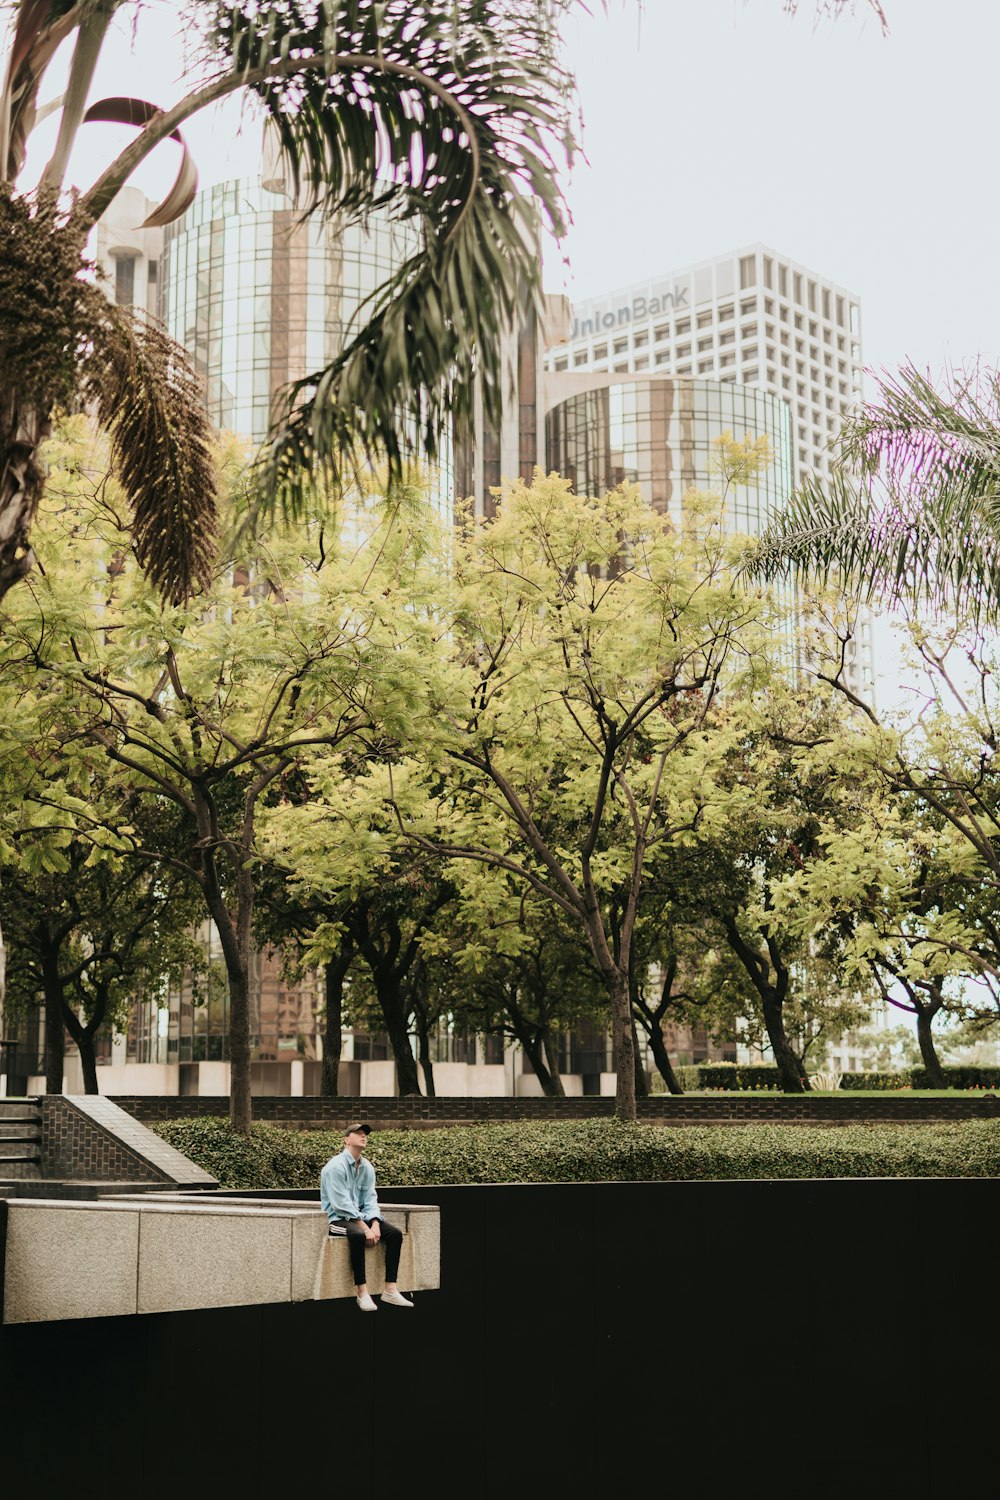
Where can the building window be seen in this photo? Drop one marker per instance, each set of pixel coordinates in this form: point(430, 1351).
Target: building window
point(768, 271)
point(704, 344)
point(826, 303)
point(152, 271)
point(725, 313)
point(726, 360)
point(580, 358)
point(783, 314)
point(797, 287)
point(600, 351)
point(705, 320)
point(705, 367)
point(683, 350)
point(621, 368)
point(562, 364)
point(783, 280)
point(812, 296)
point(749, 351)
point(840, 311)
point(748, 271)
point(663, 357)
point(683, 325)
point(124, 280)
point(640, 340)
point(728, 338)
point(769, 306)
point(749, 306)
point(620, 346)
point(642, 363)
point(684, 369)
point(749, 376)
point(770, 377)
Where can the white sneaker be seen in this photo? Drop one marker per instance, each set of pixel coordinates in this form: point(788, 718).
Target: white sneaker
point(366, 1304)
point(396, 1299)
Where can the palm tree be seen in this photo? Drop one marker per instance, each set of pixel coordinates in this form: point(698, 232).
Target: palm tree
point(444, 112)
point(912, 516)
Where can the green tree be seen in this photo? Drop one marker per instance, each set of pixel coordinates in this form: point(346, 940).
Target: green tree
point(576, 725)
point(204, 710)
point(444, 113)
point(90, 940)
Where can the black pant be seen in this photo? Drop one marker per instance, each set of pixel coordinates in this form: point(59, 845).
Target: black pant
point(392, 1239)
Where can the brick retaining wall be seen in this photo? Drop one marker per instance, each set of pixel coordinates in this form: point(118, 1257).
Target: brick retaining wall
point(313, 1113)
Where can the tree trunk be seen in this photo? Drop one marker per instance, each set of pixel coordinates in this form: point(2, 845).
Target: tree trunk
point(793, 1077)
point(532, 1046)
point(552, 1060)
point(22, 432)
point(55, 1033)
point(88, 1060)
point(641, 1082)
point(426, 1066)
point(84, 1035)
point(621, 1032)
point(928, 1052)
point(234, 935)
point(333, 1030)
point(390, 998)
point(661, 1057)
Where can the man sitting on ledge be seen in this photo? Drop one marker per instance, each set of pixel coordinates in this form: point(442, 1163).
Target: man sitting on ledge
point(347, 1193)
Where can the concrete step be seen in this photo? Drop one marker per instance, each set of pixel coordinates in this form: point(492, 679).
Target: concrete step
point(19, 1130)
point(18, 1150)
point(17, 1168)
point(20, 1109)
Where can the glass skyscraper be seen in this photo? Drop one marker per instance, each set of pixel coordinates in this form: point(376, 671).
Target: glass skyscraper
point(662, 435)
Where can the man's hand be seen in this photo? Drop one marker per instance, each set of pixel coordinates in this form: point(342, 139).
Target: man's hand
point(372, 1234)
point(376, 1231)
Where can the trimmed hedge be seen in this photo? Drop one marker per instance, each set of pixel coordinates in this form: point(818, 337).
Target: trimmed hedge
point(728, 1076)
point(887, 1081)
point(918, 1078)
point(959, 1078)
point(594, 1151)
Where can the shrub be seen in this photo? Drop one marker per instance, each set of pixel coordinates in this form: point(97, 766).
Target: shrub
point(901, 1080)
point(959, 1078)
point(728, 1076)
point(595, 1151)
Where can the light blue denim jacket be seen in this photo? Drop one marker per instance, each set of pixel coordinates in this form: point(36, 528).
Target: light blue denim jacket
point(347, 1191)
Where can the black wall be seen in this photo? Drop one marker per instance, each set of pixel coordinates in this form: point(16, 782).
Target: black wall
point(744, 1338)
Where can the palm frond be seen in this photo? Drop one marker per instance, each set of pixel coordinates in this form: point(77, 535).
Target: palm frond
point(445, 116)
point(932, 449)
point(40, 29)
point(128, 111)
point(150, 401)
point(913, 513)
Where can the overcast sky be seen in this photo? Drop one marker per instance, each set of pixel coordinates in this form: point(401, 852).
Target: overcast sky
point(710, 124)
point(716, 123)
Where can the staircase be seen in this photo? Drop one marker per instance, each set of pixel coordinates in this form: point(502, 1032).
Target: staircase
point(20, 1140)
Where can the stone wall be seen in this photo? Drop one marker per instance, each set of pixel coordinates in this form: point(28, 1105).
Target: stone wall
point(313, 1113)
point(87, 1138)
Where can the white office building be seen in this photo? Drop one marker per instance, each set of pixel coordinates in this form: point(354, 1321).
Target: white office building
point(752, 317)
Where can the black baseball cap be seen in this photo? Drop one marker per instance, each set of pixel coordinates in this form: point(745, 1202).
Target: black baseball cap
point(359, 1125)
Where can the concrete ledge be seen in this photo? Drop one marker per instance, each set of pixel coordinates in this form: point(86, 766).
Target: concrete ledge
point(171, 1253)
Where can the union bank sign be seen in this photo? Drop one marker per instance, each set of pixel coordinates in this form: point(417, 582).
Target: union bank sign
point(592, 319)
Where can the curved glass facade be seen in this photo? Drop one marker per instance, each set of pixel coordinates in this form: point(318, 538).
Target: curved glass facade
point(659, 434)
point(260, 296)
